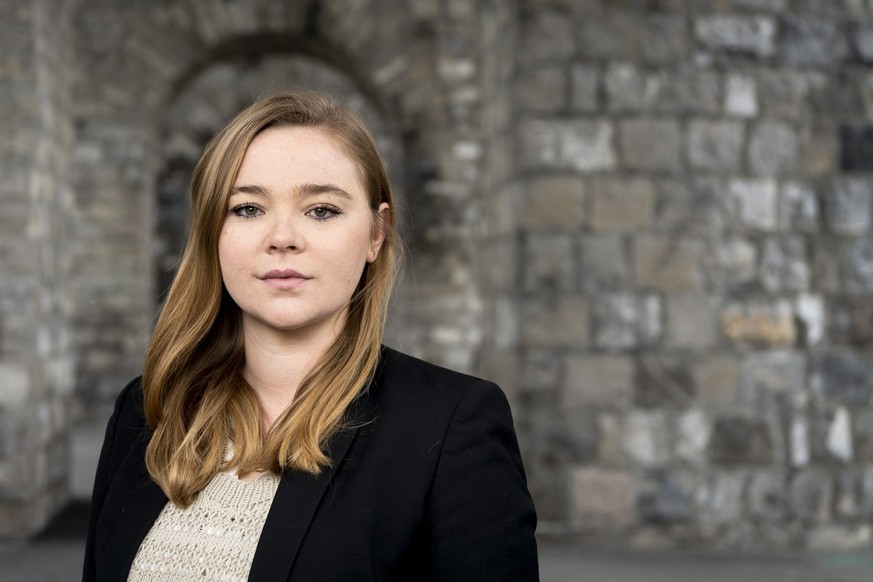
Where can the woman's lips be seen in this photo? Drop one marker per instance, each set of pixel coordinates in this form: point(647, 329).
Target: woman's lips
point(284, 279)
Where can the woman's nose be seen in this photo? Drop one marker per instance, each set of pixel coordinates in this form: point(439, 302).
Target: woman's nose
point(285, 235)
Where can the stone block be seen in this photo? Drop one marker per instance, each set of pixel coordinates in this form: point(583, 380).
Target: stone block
point(668, 497)
point(798, 207)
point(564, 322)
point(621, 205)
point(629, 88)
point(697, 208)
point(647, 438)
point(865, 88)
point(863, 432)
point(773, 149)
point(811, 496)
point(632, 89)
point(603, 498)
point(783, 92)
point(768, 495)
point(585, 89)
point(615, 318)
point(602, 381)
point(15, 385)
point(856, 148)
point(554, 202)
point(715, 145)
point(653, 145)
point(689, 90)
point(819, 148)
point(610, 449)
point(741, 97)
point(579, 435)
point(841, 377)
point(856, 260)
point(500, 266)
point(746, 34)
point(784, 265)
point(849, 320)
point(720, 500)
point(625, 36)
point(863, 42)
point(603, 263)
point(756, 203)
point(586, 146)
point(547, 35)
point(798, 441)
point(737, 261)
point(810, 313)
point(840, 537)
point(691, 321)
point(849, 206)
point(766, 375)
point(839, 436)
point(848, 494)
point(550, 264)
point(740, 440)
point(836, 97)
point(542, 89)
point(650, 322)
point(811, 42)
point(663, 382)
point(693, 431)
point(540, 371)
point(715, 378)
point(865, 506)
point(667, 264)
point(829, 261)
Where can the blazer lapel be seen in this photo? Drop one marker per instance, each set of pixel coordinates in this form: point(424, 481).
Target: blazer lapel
point(133, 515)
point(294, 507)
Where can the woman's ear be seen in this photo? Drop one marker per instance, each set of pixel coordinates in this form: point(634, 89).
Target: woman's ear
point(381, 224)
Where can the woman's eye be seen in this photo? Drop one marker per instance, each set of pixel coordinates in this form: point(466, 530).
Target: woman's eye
point(324, 212)
point(246, 210)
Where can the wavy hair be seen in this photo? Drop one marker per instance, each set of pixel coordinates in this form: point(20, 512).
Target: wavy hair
point(195, 397)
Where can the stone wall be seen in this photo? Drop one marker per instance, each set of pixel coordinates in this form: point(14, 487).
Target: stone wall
point(695, 268)
point(649, 221)
point(35, 368)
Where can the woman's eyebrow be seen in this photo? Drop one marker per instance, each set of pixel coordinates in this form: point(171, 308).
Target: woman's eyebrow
point(303, 191)
point(246, 189)
point(313, 189)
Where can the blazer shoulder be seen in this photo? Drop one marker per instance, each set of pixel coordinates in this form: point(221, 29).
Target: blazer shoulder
point(129, 404)
point(400, 372)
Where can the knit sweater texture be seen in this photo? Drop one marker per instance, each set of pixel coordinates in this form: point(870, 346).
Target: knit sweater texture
point(213, 539)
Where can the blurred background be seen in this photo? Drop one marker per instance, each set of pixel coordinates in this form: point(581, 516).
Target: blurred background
point(650, 221)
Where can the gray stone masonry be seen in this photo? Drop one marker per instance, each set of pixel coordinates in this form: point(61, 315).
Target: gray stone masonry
point(719, 250)
point(35, 365)
point(650, 222)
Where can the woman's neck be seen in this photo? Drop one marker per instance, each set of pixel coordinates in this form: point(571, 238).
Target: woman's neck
point(276, 364)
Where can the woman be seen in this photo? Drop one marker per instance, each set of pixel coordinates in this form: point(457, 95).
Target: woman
point(272, 436)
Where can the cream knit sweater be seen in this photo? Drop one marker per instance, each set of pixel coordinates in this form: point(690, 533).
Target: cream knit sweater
point(213, 539)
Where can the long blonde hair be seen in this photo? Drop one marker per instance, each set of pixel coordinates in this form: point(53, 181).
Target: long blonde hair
point(196, 399)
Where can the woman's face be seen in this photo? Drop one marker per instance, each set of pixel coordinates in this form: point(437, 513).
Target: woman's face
point(297, 234)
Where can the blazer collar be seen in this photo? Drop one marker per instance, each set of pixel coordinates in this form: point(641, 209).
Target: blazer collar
point(293, 509)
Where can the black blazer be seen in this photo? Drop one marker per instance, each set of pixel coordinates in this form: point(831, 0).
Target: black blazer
point(428, 484)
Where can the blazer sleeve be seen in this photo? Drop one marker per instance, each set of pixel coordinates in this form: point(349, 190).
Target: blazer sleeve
point(482, 518)
point(105, 469)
